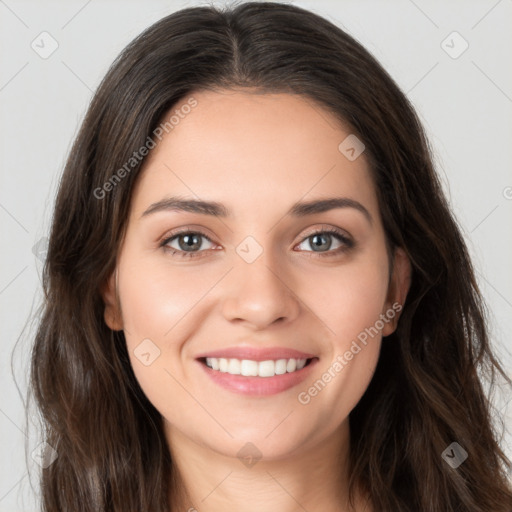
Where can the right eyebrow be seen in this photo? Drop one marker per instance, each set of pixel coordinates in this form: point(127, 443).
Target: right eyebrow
point(188, 205)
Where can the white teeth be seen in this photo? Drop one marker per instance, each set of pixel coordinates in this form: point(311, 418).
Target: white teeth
point(249, 368)
point(280, 366)
point(223, 365)
point(212, 363)
point(266, 369)
point(234, 366)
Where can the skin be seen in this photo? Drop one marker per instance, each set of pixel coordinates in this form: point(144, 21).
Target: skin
point(257, 154)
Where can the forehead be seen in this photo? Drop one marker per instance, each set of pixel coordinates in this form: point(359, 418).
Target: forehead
point(250, 150)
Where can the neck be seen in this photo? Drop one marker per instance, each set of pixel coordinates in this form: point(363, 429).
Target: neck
point(314, 478)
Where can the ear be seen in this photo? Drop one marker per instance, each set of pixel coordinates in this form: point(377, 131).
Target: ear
point(399, 285)
point(112, 313)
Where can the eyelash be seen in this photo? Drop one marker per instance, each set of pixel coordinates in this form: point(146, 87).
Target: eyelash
point(348, 243)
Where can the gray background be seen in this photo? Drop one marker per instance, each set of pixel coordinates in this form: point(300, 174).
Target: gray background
point(464, 102)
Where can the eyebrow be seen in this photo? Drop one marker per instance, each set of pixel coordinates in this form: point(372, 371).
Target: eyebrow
point(214, 208)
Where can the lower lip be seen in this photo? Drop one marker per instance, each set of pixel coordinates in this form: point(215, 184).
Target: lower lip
point(261, 386)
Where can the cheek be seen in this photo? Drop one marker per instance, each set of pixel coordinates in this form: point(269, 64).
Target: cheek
point(160, 301)
point(156, 298)
point(158, 304)
point(347, 299)
point(349, 302)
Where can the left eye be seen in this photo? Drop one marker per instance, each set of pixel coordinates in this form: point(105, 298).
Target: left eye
point(322, 240)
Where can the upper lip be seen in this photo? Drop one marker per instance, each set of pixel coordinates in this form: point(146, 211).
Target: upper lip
point(257, 354)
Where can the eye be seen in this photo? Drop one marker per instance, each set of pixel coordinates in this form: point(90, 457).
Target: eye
point(188, 244)
point(322, 240)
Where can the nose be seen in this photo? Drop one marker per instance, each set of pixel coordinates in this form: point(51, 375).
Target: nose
point(259, 295)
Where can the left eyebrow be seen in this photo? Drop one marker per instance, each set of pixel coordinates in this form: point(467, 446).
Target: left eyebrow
point(324, 205)
point(214, 208)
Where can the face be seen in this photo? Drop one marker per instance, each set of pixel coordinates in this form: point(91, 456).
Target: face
point(255, 277)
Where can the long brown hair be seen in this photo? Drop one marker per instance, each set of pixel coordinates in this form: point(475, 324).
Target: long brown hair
point(427, 390)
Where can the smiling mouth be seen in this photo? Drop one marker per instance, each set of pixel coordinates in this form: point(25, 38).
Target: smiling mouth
point(251, 368)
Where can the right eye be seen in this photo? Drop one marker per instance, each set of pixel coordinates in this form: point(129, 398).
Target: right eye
point(185, 240)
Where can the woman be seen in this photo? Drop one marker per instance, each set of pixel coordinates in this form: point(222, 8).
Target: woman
point(204, 345)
